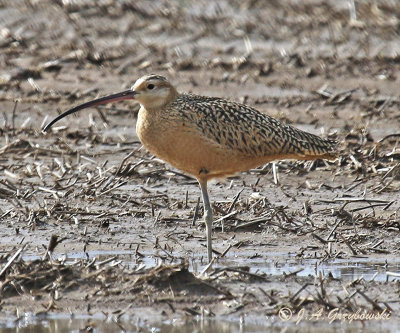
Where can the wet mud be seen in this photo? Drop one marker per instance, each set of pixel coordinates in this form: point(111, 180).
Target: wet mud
point(128, 241)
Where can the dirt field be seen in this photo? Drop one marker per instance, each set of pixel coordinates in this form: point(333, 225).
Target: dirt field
point(320, 245)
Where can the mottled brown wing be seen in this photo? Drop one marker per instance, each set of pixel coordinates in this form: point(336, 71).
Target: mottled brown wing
point(242, 128)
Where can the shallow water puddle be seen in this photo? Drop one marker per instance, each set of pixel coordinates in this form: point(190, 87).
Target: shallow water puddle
point(59, 323)
point(272, 264)
point(349, 269)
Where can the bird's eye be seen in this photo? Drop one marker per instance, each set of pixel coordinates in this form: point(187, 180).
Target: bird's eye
point(150, 86)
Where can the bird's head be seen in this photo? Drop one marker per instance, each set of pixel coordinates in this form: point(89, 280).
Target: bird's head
point(151, 91)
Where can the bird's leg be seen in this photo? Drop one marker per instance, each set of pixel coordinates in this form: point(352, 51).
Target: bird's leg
point(208, 216)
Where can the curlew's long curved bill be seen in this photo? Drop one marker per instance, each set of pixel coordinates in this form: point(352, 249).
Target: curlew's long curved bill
point(127, 94)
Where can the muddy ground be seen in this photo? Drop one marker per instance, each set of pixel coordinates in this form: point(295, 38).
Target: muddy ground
point(129, 247)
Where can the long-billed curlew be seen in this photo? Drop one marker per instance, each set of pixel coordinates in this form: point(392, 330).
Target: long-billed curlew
point(209, 137)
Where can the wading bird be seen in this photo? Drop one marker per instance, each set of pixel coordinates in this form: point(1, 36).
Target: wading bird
point(209, 137)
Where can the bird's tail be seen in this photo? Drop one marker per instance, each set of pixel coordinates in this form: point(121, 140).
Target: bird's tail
point(309, 146)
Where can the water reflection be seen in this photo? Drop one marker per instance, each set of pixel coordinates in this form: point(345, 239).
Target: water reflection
point(59, 323)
